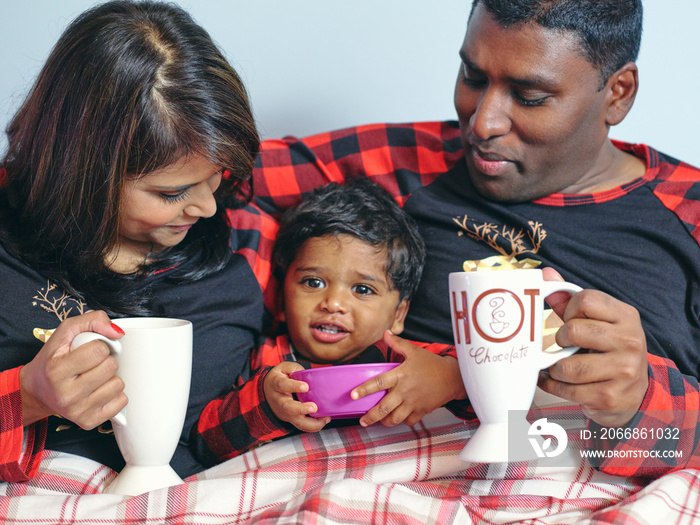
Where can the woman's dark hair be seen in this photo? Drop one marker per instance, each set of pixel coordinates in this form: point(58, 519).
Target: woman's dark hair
point(610, 31)
point(362, 210)
point(129, 88)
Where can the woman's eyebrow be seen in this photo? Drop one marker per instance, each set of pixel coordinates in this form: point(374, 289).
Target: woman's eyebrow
point(174, 188)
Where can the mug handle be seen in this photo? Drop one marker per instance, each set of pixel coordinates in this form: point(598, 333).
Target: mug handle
point(547, 359)
point(115, 347)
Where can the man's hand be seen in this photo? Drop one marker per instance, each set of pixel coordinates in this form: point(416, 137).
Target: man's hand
point(610, 378)
point(419, 385)
point(79, 385)
point(279, 391)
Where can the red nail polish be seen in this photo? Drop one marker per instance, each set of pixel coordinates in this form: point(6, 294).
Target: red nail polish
point(115, 327)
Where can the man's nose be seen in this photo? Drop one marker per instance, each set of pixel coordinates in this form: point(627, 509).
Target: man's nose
point(490, 119)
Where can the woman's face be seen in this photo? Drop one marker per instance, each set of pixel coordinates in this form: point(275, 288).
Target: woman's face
point(158, 209)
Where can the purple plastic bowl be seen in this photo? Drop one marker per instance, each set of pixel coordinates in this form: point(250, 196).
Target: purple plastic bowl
point(330, 387)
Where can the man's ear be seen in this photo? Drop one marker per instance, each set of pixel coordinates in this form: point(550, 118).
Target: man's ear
point(622, 89)
point(400, 316)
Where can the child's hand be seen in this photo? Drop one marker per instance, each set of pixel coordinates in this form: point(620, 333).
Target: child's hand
point(419, 385)
point(279, 391)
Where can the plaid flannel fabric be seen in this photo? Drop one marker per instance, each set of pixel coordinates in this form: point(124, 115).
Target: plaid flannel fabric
point(355, 475)
point(398, 157)
point(253, 234)
point(663, 436)
point(20, 449)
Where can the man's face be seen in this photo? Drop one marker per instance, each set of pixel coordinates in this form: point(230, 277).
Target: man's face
point(531, 112)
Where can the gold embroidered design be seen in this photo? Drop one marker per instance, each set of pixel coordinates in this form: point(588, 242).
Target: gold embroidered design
point(506, 241)
point(58, 302)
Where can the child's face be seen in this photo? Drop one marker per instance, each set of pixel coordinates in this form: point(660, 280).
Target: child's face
point(338, 299)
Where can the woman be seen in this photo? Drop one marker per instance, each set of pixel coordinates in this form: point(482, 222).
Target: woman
point(120, 195)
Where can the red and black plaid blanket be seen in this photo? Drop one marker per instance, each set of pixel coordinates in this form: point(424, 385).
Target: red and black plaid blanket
point(358, 475)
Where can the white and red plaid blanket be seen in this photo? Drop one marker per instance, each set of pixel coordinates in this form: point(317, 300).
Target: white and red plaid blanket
point(357, 475)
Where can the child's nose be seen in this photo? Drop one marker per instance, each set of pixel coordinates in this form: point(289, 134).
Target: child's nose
point(334, 301)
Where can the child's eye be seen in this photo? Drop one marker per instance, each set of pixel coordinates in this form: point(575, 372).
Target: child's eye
point(313, 282)
point(362, 289)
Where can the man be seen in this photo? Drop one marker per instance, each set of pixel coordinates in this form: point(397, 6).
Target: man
point(530, 173)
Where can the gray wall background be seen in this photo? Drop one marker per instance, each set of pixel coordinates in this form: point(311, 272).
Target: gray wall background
point(316, 65)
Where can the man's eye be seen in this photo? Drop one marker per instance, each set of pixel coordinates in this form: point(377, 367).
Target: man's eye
point(472, 80)
point(531, 100)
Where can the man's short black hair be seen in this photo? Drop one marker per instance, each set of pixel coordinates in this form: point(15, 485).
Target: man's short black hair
point(610, 31)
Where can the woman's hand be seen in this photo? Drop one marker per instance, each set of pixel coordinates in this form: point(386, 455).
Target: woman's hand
point(279, 391)
point(80, 384)
point(422, 383)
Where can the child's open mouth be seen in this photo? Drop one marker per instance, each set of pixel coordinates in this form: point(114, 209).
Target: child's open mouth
point(329, 333)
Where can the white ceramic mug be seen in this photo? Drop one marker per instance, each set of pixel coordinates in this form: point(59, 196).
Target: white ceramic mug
point(155, 362)
point(497, 321)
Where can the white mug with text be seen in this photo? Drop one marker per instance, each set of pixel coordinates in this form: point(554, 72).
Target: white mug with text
point(497, 321)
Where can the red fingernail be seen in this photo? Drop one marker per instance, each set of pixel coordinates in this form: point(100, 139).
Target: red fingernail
point(116, 328)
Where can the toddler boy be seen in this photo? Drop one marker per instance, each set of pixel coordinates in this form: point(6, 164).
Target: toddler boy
point(352, 259)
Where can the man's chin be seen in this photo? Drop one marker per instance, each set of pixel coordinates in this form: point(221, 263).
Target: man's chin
point(500, 192)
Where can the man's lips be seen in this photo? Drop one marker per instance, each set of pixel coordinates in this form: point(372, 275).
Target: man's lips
point(489, 163)
point(328, 332)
